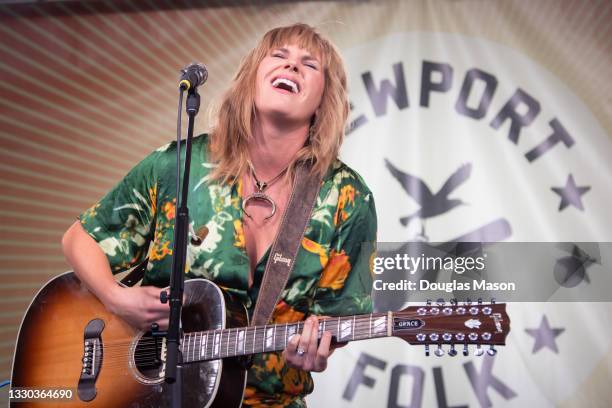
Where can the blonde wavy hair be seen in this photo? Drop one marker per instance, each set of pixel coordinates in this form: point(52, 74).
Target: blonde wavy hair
point(233, 128)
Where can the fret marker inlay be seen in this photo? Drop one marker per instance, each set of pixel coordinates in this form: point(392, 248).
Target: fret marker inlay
point(291, 330)
point(216, 344)
point(379, 325)
point(346, 328)
point(241, 340)
point(269, 337)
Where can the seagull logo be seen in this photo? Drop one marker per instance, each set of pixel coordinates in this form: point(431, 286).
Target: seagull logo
point(431, 204)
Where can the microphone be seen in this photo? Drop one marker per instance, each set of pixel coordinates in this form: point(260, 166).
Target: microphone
point(192, 76)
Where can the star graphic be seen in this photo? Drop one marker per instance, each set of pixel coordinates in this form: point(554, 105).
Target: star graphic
point(544, 336)
point(571, 194)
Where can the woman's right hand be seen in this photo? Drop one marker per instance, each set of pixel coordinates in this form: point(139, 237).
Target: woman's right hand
point(139, 306)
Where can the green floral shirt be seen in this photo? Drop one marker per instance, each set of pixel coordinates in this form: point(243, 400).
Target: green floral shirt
point(331, 274)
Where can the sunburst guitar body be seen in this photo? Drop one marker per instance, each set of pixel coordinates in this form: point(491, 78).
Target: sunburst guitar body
point(72, 352)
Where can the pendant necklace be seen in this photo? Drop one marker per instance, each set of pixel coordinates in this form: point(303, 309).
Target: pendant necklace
point(260, 195)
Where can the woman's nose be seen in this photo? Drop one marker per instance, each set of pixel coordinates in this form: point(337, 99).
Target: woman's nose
point(291, 66)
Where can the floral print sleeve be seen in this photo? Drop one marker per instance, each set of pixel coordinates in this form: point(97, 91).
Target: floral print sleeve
point(122, 222)
point(346, 282)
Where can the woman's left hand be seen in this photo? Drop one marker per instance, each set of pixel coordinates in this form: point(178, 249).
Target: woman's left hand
point(304, 351)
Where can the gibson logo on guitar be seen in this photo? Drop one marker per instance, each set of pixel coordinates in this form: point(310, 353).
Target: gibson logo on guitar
point(278, 257)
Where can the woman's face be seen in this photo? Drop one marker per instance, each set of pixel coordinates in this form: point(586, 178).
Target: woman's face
point(289, 85)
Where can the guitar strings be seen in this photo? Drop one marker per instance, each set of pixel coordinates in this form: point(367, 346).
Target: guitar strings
point(248, 329)
point(197, 344)
point(196, 337)
point(146, 352)
point(143, 351)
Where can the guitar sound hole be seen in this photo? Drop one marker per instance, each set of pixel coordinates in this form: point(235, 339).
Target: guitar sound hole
point(149, 358)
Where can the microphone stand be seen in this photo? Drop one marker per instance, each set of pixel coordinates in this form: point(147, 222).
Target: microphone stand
point(177, 279)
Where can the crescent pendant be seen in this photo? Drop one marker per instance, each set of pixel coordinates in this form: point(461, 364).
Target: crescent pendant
point(261, 197)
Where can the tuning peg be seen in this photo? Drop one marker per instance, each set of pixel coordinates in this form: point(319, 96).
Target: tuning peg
point(427, 350)
point(492, 351)
point(480, 301)
point(452, 352)
point(492, 301)
point(439, 351)
point(428, 302)
point(453, 301)
point(440, 302)
point(479, 351)
point(466, 352)
point(468, 301)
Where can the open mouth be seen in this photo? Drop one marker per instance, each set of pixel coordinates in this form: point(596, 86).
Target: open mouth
point(286, 84)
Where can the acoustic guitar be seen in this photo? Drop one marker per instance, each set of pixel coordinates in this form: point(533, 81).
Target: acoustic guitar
point(72, 352)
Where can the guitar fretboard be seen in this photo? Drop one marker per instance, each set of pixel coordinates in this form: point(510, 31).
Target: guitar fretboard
point(215, 344)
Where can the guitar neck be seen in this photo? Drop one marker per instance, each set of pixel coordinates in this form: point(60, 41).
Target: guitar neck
point(240, 341)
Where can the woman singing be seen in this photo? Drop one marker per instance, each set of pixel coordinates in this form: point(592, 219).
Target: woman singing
point(286, 105)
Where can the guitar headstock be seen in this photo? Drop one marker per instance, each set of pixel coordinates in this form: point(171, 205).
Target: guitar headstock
point(453, 324)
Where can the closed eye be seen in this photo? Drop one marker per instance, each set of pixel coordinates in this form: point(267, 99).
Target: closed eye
point(278, 53)
point(311, 62)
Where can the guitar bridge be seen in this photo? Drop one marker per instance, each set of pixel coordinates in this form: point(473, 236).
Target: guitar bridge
point(91, 360)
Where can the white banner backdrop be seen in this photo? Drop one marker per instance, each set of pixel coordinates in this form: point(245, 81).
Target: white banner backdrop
point(536, 166)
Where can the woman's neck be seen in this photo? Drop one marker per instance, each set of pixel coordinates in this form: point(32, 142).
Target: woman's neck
point(274, 145)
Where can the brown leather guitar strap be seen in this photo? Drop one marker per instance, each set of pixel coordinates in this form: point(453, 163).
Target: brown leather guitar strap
point(287, 243)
